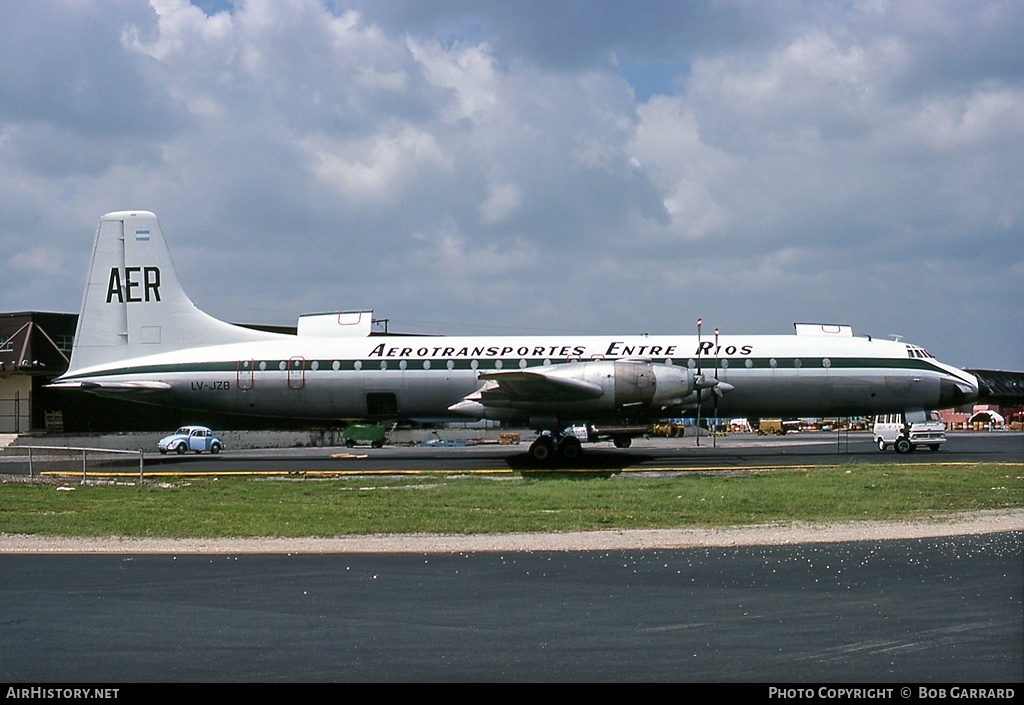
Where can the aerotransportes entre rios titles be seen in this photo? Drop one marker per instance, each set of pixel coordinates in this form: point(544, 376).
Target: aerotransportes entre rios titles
point(614, 349)
point(140, 337)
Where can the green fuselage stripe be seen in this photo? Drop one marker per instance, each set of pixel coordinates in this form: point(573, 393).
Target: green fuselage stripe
point(707, 365)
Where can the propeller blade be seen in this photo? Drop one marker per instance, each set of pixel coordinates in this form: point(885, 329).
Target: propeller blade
point(714, 437)
point(700, 375)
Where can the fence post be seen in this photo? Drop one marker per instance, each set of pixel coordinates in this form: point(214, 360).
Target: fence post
point(83, 465)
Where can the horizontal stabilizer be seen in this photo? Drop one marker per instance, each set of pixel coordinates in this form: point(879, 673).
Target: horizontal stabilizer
point(113, 387)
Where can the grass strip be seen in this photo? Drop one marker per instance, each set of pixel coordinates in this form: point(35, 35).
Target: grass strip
point(289, 507)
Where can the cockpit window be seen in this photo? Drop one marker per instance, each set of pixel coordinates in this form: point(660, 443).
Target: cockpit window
point(916, 352)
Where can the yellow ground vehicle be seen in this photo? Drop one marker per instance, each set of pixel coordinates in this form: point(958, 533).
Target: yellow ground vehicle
point(767, 427)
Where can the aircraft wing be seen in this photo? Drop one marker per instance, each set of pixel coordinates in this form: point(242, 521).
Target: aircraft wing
point(590, 389)
point(522, 386)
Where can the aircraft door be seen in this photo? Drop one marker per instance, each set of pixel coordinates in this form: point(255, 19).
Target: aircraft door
point(243, 374)
point(296, 373)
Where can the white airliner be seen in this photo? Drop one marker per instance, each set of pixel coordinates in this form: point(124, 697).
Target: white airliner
point(140, 337)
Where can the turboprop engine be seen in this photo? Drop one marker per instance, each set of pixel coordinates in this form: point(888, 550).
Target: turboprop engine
point(600, 387)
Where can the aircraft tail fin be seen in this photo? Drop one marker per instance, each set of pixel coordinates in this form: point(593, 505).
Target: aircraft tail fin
point(133, 303)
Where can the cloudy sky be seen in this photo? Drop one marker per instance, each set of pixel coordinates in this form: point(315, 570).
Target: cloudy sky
point(537, 166)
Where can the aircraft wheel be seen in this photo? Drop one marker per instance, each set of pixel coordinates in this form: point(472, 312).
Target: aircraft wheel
point(881, 444)
point(903, 446)
point(542, 449)
point(570, 450)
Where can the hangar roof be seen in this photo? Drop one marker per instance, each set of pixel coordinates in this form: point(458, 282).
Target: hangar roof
point(1005, 385)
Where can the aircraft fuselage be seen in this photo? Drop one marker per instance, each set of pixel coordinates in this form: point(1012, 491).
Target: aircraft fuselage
point(397, 376)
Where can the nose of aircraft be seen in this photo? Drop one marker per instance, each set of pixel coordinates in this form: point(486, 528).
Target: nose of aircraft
point(955, 391)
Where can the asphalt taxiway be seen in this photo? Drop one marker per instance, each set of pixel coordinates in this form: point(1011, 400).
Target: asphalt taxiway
point(729, 452)
point(946, 610)
point(737, 451)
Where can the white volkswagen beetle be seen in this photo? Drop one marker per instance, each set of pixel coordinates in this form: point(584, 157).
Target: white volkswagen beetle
point(195, 438)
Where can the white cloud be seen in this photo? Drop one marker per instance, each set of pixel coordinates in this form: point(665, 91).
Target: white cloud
point(378, 169)
point(502, 200)
point(42, 260)
point(466, 71)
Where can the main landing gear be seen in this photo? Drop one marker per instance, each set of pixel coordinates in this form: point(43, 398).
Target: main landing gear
point(551, 448)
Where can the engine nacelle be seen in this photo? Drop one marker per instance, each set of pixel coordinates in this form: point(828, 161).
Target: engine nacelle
point(640, 383)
